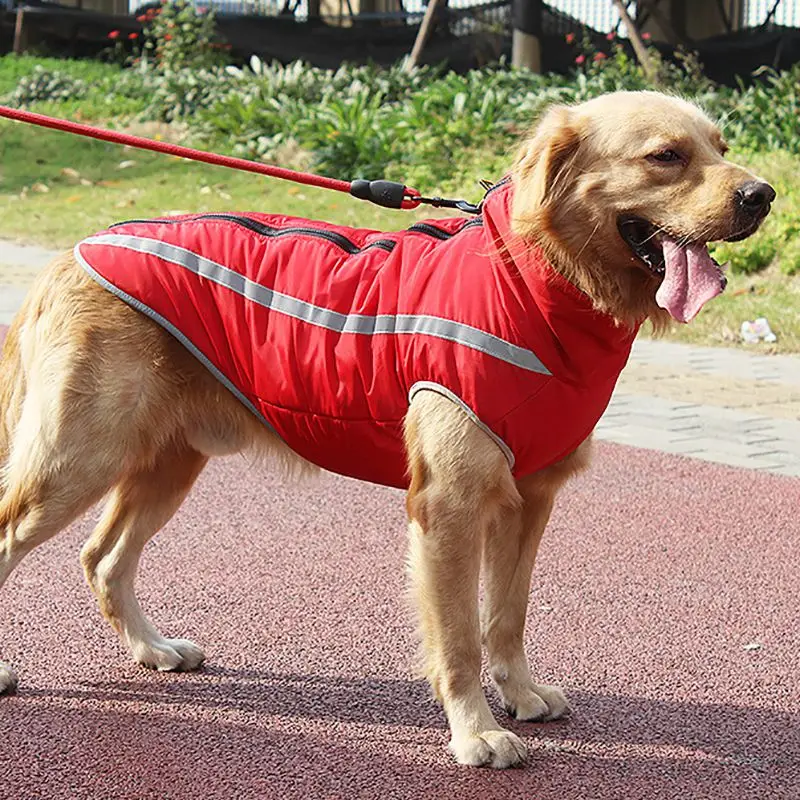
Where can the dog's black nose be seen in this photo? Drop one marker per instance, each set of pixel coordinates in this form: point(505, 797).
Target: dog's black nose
point(755, 196)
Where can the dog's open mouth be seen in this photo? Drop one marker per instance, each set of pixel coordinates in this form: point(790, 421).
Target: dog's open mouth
point(645, 241)
point(690, 277)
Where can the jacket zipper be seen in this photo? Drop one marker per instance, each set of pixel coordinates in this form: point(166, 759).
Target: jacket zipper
point(338, 239)
point(501, 182)
point(440, 233)
point(331, 236)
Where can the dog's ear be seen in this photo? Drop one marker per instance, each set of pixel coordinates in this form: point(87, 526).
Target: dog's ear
point(543, 164)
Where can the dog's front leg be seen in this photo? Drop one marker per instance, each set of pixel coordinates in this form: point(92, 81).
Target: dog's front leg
point(460, 483)
point(509, 554)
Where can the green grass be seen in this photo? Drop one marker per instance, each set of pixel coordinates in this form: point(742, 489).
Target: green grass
point(154, 185)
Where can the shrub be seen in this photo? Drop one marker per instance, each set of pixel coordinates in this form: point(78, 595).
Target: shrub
point(175, 35)
point(179, 36)
point(426, 116)
point(613, 68)
point(766, 115)
point(788, 250)
point(751, 255)
point(790, 257)
point(352, 131)
point(43, 85)
point(183, 94)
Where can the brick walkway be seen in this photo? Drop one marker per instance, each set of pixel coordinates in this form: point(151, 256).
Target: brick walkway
point(716, 404)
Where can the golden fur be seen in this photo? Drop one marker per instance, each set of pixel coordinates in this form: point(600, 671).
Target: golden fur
point(87, 412)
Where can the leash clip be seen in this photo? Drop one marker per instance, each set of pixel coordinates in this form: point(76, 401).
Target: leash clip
point(443, 202)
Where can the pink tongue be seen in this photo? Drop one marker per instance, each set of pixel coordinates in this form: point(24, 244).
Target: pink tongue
point(691, 279)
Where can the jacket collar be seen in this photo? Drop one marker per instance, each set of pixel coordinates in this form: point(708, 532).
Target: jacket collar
point(581, 343)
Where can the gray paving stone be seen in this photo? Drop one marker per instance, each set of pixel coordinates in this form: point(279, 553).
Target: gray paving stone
point(786, 464)
point(761, 440)
point(725, 362)
point(710, 433)
point(757, 424)
point(721, 448)
point(789, 447)
point(746, 462)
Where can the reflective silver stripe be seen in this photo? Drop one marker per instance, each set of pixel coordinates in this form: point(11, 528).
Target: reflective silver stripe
point(425, 324)
point(168, 326)
point(450, 395)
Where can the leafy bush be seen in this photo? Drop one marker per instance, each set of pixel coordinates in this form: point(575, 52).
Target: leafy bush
point(788, 234)
point(790, 257)
point(766, 115)
point(613, 68)
point(15, 68)
point(179, 36)
point(42, 85)
point(354, 128)
point(175, 35)
point(182, 94)
point(749, 256)
point(365, 119)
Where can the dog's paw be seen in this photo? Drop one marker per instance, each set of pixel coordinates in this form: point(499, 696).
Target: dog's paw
point(540, 703)
point(167, 655)
point(8, 679)
point(498, 749)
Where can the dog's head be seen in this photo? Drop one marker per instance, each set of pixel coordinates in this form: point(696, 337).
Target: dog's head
point(624, 192)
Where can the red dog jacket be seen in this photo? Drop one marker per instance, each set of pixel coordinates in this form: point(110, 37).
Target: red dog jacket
point(325, 333)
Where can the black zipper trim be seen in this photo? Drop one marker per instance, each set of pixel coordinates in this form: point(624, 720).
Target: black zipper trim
point(331, 236)
point(430, 230)
point(138, 221)
point(267, 230)
point(335, 238)
point(440, 233)
point(500, 183)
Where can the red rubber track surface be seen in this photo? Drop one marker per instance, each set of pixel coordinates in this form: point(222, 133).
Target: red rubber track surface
point(655, 573)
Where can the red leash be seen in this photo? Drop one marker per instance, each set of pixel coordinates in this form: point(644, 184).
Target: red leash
point(384, 193)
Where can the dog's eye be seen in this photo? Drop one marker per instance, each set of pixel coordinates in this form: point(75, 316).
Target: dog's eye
point(665, 157)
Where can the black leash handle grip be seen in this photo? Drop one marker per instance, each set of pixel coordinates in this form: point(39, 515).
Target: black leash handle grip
point(388, 194)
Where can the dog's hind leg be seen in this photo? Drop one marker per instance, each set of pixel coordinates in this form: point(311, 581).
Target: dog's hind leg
point(30, 515)
point(34, 509)
point(52, 472)
point(12, 389)
point(138, 507)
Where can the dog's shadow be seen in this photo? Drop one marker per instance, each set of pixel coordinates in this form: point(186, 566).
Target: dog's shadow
point(371, 701)
point(281, 725)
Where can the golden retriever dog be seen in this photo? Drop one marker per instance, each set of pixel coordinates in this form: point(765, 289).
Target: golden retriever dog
point(98, 402)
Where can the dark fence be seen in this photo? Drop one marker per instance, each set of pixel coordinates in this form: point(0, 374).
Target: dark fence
point(598, 15)
point(467, 33)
